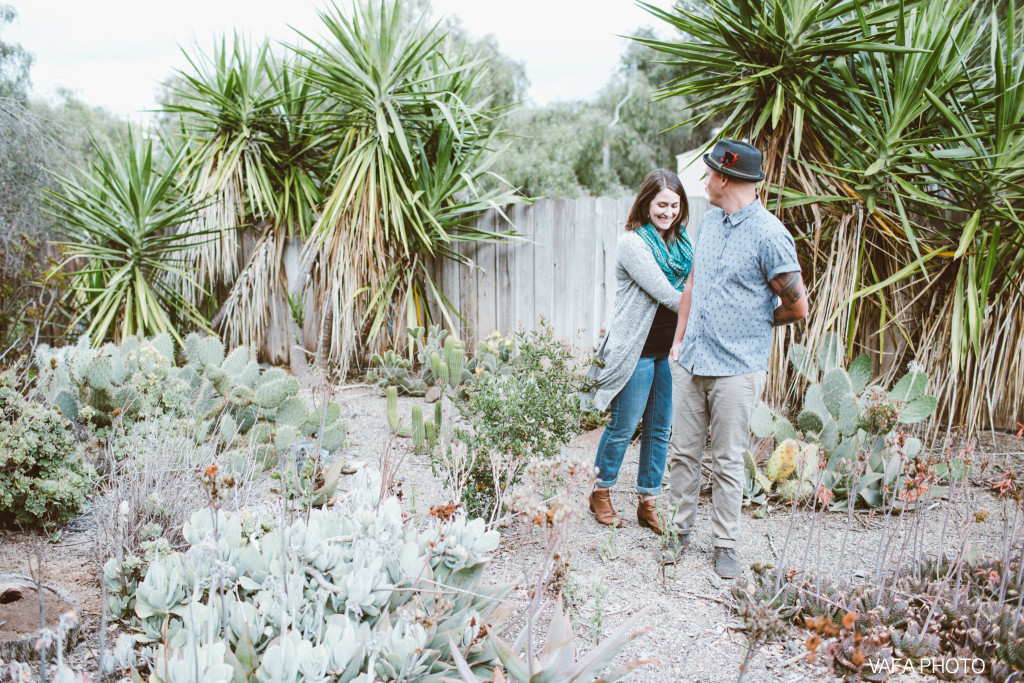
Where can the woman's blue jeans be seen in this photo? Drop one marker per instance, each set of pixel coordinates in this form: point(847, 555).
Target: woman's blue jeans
point(647, 394)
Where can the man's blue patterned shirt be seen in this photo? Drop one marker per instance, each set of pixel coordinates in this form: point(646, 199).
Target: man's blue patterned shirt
point(732, 310)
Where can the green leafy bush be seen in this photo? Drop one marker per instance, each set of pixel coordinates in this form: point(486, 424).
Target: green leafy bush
point(528, 409)
point(43, 478)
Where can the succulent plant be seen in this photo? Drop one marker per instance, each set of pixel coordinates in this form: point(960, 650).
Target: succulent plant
point(357, 592)
point(847, 418)
point(222, 395)
point(423, 434)
point(557, 661)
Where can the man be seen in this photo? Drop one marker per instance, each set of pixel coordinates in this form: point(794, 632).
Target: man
point(743, 258)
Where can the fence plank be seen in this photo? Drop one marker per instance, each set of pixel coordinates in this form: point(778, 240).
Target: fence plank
point(486, 281)
point(586, 245)
point(564, 267)
point(543, 260)
point(524, 276)
point(504, 259)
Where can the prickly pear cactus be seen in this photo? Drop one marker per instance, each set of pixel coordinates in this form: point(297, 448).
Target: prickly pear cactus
point(844, 416)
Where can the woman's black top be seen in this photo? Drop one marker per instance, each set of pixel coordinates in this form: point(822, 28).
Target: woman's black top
point(663, 331)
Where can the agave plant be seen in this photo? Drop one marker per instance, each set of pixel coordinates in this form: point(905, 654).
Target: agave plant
point(893, 152)
point(122, 217)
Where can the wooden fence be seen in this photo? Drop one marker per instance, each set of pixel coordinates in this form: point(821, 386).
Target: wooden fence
point(562, 268)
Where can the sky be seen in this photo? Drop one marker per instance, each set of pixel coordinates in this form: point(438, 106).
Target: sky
point(114, 53)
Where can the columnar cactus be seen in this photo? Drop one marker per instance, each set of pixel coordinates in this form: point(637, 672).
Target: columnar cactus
point(423, 433)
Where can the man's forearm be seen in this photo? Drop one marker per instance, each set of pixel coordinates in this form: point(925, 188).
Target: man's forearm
point(784, 315)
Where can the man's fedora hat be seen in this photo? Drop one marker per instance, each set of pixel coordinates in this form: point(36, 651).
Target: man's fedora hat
point(735, 159)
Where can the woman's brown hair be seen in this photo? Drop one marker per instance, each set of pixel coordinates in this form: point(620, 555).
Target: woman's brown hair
point(656, 181)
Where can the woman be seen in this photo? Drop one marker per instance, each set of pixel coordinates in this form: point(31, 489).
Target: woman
point(652, 262)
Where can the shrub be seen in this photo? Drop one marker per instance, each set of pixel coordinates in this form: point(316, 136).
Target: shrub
point(43, 478)
point(530, 410)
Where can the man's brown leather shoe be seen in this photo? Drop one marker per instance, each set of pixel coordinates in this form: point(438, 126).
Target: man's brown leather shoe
point(601, 506)
point(647, 514)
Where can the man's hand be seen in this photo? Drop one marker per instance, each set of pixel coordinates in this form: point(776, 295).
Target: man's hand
point(793, 296)
point(673, 353)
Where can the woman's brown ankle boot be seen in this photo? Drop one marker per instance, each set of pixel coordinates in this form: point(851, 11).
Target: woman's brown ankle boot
point(601, 506)
point(647, 513)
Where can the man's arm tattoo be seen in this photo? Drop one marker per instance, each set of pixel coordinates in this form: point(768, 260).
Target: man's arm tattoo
point(789, 287)
point(793, 306)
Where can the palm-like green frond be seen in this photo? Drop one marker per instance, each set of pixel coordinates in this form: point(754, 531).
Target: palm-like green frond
point(123, 221)
point(413, 148)
point(893, 147)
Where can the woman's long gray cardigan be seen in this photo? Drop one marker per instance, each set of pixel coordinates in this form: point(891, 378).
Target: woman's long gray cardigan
point(640, 287)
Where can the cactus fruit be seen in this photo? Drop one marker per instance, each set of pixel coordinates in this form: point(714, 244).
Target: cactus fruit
point(783, 461)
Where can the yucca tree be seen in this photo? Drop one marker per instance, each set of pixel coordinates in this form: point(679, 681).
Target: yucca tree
point(892, 139)
point(122, 217)
point(413, 154)
point(249, 119)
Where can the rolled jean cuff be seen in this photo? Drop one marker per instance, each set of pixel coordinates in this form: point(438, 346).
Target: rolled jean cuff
point(649, 492)
point(606, 484)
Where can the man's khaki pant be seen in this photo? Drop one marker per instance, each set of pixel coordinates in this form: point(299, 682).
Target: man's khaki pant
point(725, 403)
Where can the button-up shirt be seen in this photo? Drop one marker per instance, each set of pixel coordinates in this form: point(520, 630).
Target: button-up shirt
point(732, 310)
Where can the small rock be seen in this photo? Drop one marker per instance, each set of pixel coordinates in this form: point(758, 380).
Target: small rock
point(433, 394)
point(352, 466)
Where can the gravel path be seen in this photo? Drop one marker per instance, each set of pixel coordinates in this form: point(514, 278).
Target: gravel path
point(694, 638)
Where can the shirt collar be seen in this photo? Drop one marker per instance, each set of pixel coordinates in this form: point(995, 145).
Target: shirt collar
point(746, 212)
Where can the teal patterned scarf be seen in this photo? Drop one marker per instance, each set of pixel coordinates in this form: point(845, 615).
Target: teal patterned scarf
point(675, 260)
